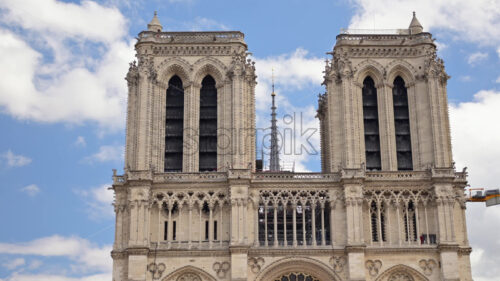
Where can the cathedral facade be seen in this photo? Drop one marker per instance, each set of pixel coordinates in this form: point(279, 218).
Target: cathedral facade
point(191, 205)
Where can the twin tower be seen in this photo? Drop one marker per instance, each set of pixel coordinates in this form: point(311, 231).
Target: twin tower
point(191, 205)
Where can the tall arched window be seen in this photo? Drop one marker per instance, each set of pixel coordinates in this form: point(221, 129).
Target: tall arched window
point(370, 119)
point(208, 125)
point(402, 125)
point(174, 125)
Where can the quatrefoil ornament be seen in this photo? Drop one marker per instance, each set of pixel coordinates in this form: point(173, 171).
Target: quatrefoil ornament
point(221, 268)
point(156, 270)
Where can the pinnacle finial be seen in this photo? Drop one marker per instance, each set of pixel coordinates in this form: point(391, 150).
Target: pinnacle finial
point(272, 79)
point(155, 24)
point(274, 161)
point(415, 26)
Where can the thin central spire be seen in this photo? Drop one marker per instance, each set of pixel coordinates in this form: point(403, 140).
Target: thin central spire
point(274, 160)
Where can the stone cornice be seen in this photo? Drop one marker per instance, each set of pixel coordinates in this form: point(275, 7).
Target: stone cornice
point(190, 253)
point(465, 251)
point(448, 247)
point(239, 249)
point(409, 249)
point(271, 252)
point(355, 248)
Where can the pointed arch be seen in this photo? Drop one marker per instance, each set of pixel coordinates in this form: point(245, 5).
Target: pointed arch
point(209, 66)
point(189, 270)
point(403, 69)
point(369, 68)
point(404, 269)
point(174, 66)
point(297, 264)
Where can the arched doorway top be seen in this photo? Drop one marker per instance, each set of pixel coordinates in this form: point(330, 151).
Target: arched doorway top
point(304, 265)
point(189, 273)
point(401, 271)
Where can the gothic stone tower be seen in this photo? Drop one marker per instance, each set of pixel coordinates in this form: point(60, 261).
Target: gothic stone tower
point(388, 205)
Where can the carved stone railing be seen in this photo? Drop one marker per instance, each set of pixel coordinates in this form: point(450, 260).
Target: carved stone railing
point(397, 175)
point(119, 179)
point(461, 176)
point(194, 245)
point(375, 31)
point(294, 177)
point(190, 177)
point(192, 37)
point(416, 38)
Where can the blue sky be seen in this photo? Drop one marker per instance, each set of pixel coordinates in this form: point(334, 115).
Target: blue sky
point(63, 97)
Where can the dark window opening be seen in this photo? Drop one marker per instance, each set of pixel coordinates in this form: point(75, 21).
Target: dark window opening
point(208, 125)
point(207, 231)
point(402, 124)
point(174, 125)
point(215, 230)
point(370, 120)
point(165, 233)
point(174, 231)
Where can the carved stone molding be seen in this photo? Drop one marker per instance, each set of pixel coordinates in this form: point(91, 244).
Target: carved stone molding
point(373, 267)
point(221, 268)
point(400, 276)
point(338, 263)
point(427, 265)
point(256, 264)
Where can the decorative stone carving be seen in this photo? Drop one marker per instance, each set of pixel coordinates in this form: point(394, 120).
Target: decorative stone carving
point(400, 276)
point(221, 268)
point(373, 266)
point(256, 264)
point(156, 270)
point(338, 263)
point(189, 276)
point(427, 266)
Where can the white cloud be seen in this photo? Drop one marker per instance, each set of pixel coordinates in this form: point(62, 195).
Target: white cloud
point(31, 190)
point(86, 255)
point(99, 201)
point(15, 160)
point(477, 57)
point(80, 142)
point(476, 21)
point(13, 264)
point(48, 277)
point(88, 19)
point(293, 72)
point(107, 153)
point(465, 78)
point(34, 264)
point(201, 23)
point(72, 57)
point(440, 45)
point(473, 127)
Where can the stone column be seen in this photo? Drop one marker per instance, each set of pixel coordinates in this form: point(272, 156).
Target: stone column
point(353, 122)
point(191, 127)
point(239, 182)
point(386, 127)
point(352, 182)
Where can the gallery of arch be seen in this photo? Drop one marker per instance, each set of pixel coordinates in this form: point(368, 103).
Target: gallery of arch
point(193, 203)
